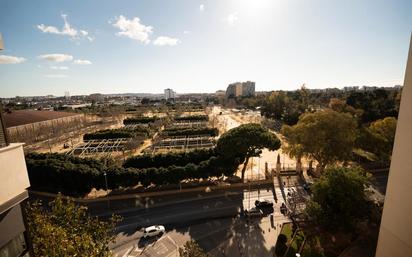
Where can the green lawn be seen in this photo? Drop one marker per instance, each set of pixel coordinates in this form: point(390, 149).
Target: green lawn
point(295, 245)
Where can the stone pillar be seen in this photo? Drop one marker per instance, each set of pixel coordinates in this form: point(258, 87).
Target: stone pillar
point(278, 165)
point(298, 166)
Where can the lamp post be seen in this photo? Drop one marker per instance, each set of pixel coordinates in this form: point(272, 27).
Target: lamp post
point(107, 190)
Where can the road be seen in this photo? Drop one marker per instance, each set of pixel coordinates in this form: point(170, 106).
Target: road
point(216, 223)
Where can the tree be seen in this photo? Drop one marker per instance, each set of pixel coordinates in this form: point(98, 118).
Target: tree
point(339, 198)
point(379, 138)
point(246, 141)
point(326, 136)
point(192, 249)
point(67, 230)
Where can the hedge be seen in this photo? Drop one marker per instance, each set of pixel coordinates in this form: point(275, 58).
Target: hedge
point(116, 133)
point(76, 176)
point(169, 159)
point(139, 120)
point(191, 131)
point(192, 118)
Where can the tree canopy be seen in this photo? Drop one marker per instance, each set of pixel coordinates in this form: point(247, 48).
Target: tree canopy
point(67, 230)
point(326, 136)
point(192, 249)
point(246, 141)
point(378, 138)
point(338, 198)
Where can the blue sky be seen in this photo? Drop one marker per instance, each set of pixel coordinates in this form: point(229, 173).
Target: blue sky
point(89, 46)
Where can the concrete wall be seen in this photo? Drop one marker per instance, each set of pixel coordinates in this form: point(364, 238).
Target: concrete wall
point(38, 131)
point(395, 236)
point(13, 172)
point(11, 224)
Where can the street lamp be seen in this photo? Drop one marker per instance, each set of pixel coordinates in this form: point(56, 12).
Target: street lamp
point(107, 189)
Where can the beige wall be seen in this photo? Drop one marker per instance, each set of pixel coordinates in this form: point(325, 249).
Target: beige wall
point(13, 172)
point(395, 236)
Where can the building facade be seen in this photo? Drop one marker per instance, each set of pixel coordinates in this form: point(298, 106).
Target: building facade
point(14, 182)
point(169, 94)
point(239, 89)
point(395, 235)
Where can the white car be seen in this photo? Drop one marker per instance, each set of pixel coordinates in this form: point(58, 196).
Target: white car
point(153, 231)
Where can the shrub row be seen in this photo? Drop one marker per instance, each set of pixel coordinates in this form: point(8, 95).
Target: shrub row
point(115, 133)
point(193, 118)
point(76, 176)
point(169, 159)
point(191, 131)
point(139, 120)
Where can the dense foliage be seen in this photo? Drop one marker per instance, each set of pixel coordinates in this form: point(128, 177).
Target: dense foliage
point(190, 131)
point(339, 199)
point(63, 173)
point(192, 249)
point(246, 141)
point(76, 176)
point(66, 230)
point(378, 138)
point(325, 136)
point(192, 118)
point(169, 159)
point(287, 106)
point(376, 104)
point(116, 133)
point(139, 120)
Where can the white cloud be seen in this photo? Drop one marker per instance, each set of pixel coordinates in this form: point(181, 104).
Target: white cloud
point(133, 29)
point(67, 30)
point(186, 32)
point(56, 57)
point(202, 7)
point(59, 67)
point(82, 62)
point(8, 59)
point(232, 18)
point(166, 41)
point(55, 76)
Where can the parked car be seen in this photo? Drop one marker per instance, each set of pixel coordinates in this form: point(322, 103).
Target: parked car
point(307, 186)
point(253, 212)
point(283, 209)
point(153, 231)
point(263, 203)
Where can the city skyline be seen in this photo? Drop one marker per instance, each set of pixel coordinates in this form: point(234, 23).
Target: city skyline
point(200, 46)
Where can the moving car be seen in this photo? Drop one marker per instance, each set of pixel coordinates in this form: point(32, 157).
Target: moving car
point(263, 203)
point(153, 231)
point(254, 212)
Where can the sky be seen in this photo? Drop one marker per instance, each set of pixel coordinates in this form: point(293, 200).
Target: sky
point(124, 46)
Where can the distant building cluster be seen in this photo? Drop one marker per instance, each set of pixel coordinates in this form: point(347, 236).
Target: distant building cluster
point(239, 89)
point(170, 94)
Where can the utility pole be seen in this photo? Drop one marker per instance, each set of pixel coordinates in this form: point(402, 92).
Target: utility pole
point(259, 179)
point(107, 190)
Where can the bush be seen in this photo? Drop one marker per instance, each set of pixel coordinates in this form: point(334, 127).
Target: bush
point(191, 131)
point(117, 133)
point(139, 120)
point(192, 118)
point(165, 160)
point(76, 176)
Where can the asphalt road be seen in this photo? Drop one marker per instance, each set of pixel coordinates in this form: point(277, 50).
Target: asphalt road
point(208, 220)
